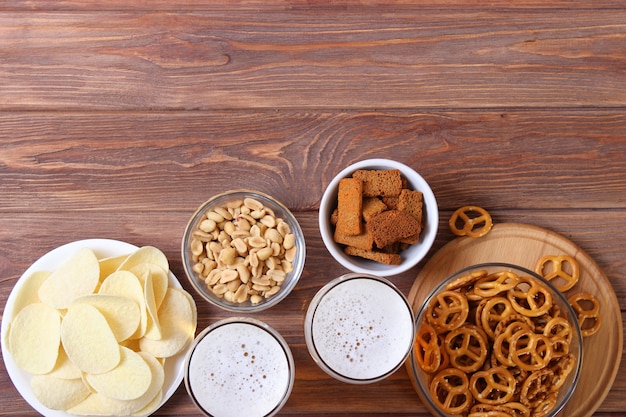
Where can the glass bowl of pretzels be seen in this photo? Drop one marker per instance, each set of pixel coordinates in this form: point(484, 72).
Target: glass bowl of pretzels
point(495, 339)
point(378, 216)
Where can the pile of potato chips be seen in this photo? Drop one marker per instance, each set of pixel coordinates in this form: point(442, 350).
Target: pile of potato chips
point(95, 333)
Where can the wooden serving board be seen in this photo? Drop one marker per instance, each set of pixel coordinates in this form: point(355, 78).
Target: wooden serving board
point(524, 245)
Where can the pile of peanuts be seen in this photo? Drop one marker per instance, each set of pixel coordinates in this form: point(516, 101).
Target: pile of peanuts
point(243, 251)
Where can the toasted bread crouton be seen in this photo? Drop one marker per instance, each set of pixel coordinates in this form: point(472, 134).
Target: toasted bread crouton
point(384, 182)
point(363, 241)
point(392, 226)
point(391, 202)
point(385, 258)
point(411, 202)
point(371, 207)
point(350, 206)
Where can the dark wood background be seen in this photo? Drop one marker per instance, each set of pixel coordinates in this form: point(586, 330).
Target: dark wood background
point(119, 118)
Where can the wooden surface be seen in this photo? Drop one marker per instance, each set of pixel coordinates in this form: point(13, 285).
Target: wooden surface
point(524, 245)
point(119, 118)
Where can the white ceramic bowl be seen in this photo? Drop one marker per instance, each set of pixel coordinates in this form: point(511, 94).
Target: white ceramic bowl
point(410, 256)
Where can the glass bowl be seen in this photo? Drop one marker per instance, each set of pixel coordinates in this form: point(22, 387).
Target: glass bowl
point(243, 251)
point(448, 345)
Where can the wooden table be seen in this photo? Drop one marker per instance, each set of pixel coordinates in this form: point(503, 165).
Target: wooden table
point(119, 118)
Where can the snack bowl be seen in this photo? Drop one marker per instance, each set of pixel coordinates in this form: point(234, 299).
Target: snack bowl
point(411, 255)
point(246, 241)
point(497, 356)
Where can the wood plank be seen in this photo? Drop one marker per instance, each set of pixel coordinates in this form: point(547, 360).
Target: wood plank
point(265, 5)
point(312, 59)
point(529, 160)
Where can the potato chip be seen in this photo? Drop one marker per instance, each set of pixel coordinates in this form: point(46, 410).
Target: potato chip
point(34, 338)
point(110, 265)
point(145, 254)
point(156, 384)
point(153, 330)
point(98, 404)
point(88, 340)
point(29, 291)
point(121, 313)
point(65, 368)
point(177, 319)
point(129, 380)
point(57, 393)
point(126, 284)
point(160, 279)
point(151, 406)
point(79, 275)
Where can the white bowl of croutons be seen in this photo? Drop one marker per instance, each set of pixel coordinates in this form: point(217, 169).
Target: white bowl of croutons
point(378, 216)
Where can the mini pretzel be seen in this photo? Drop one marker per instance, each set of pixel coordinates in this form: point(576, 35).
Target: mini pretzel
point(492, 386)
point(467, 348)
point(510, 409)
point(466, 280)
point(536, 387)
point(426, 349)
point(530, 298)
point(490, 413)
point(560, 347)
point(551, 267)
point(493, 311)
point(530, 351)
point(494, 284)
point(587, 309)
point(472, 225)
point(502, 342)
point(447, 310)
point(561, 369)
point(449, 390)
point(558, 327)
point(544, 406)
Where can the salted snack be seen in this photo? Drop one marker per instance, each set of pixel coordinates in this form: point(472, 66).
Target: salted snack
point(564, 272)
point(587, 309)
point(243, 251)
point(472, 221)
point(494, 344)
point(562, 269)
point(95, 333)
point(377, 216)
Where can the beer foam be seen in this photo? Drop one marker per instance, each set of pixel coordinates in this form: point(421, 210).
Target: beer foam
point(239, 369)
point(362, 329)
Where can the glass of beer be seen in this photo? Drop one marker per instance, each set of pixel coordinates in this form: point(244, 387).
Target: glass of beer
point(239, 367)
point(359, 328)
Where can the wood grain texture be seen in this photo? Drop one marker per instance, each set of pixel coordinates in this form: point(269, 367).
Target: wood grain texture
point(340, 59)
point(119, 118)
point(309, 5)
point(119, 161)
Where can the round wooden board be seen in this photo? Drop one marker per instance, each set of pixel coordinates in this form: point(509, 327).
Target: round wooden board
point(524, 245)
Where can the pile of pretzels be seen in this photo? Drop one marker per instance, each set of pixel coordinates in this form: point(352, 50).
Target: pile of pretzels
point(495, 344)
